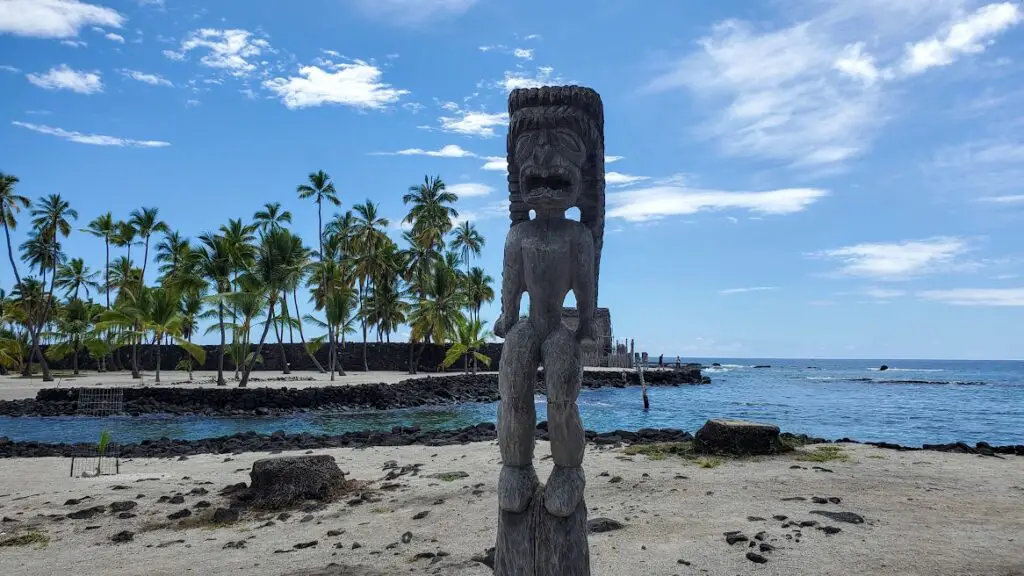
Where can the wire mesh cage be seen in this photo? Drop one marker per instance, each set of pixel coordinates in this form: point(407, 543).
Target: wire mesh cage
point(102, 458)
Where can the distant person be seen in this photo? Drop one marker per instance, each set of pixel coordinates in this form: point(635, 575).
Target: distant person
point(679, 362)
point(645, 358)
point(661, 361)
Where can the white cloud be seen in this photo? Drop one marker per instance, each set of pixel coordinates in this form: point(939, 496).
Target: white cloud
point(855, 63)
point(810, 94)
point(619, 179)
point(64, 78)
point(976, 296)
point(74, 43)
point(152, 79)
point(9, 68)
point(610, 159)
point(989, 167)
point(743, 290)
point(114, 37)
point(884, 293)
point(413, 12)
point(524, 53)
point(660, 201)
point(532, 37)
point(495, 210)
point(172, 55)
point(54, 18)
point(356, 84)
point(93, 139)
point(231, 50)
point(449, 151)
point(414, 107)
point(898, 260)
point(543, 76)
point(968, 35)
point(1007, 199)
point(470, 189)
point(495, 164)
point(473, 123)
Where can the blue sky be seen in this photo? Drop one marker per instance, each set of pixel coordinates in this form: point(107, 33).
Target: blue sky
point(816, 178)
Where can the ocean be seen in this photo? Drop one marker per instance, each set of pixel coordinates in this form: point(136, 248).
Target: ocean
point(911, 403)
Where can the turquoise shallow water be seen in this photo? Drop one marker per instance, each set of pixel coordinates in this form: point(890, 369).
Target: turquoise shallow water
point(915, 402)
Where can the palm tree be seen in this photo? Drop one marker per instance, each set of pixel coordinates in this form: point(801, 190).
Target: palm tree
point(147, 222)
point(271, 217)
point(478, 290)
point(191, 308)
point(125, 237)
point(103, 226)
point(436, 316)
point(468, 339)
point(50, 219)
point(74, 321)
point(75, 275)
point(339, 306)
point(369, 241)
point(431, 213)
point(172, 252)
point(278, 261)
point(321, 189)
point(10, 204)
point(213, 262)
point(468, 240)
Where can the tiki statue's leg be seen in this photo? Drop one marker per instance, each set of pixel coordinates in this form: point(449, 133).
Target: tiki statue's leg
point(517, 417)
point(563, 374)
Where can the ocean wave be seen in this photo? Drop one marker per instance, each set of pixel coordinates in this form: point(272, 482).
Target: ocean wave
point(908, 370)
point(933, 382)
point(821, 378)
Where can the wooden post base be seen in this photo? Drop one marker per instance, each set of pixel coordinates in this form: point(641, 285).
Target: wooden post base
point(535, 543)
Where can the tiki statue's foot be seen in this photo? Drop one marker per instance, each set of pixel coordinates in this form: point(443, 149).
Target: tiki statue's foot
point(516, 486)
point(564, 490)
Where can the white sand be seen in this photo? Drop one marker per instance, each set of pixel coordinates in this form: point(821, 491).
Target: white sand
point(927, 513)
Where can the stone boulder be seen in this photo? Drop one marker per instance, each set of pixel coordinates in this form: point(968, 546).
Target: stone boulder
point(286, 481)
point(737, 437)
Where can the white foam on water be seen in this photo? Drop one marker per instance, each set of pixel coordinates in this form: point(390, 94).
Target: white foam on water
point(909, 370)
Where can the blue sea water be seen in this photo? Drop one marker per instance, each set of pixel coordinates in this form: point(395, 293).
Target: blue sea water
point(914, 402)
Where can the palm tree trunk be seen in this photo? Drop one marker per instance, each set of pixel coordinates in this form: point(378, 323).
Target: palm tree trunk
point(279, 332)
point(341, 365)
point(412, 352)
point(74, 360)
point(287, 317)
point(259, 347)
point(223, 342)
point(158, 347)
point(302, 337)
point(33, 336)
point(362, 318)
point(426, 340)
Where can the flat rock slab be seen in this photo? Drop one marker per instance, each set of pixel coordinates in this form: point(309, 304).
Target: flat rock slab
point(286, 481)
point(339, 570)
point(737, 437)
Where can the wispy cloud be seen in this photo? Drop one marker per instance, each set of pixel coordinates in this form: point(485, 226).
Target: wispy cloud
point(114, 37)
point(1007, 199)
point(619, 179)
point(898, 260)
point(9, 68)
point(413, 13)
point(976, 296)
point(884, 293)
point(729, 291)
point(542, 76)
point(967, 35)
point(660, 201)
point(473, 122)
point(152, 79)
point(495, 164)
point(54, 18)
point(989, 169)
point(449, 151)
point(232, 50)
point(470, 189)
point(64, 77)
point(93, 139)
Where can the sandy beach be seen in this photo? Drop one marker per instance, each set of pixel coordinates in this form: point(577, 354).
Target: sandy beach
point(925, 513)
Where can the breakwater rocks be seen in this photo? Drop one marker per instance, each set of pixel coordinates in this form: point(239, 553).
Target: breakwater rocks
point(279, 441)
point(427, 391)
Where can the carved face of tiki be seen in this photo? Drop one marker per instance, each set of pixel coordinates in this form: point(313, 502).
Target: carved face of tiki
point(550, 167)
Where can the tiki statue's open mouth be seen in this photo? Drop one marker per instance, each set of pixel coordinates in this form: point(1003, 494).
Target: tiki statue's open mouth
point(547, 186)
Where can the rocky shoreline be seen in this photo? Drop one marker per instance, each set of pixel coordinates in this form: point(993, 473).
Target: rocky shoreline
point(244, 442)
point(437, 390)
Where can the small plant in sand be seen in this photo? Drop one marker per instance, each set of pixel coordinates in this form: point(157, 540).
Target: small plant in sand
point(37, 539)
point(826, 453)
point(662, 450)
point(710, 462)
point(101, 448)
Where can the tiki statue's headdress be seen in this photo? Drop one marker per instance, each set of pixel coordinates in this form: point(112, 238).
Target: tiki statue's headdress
point(572, 107)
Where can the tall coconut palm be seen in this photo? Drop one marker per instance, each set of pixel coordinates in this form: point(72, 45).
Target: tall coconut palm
point(436, 316)
point(369, 240)
point(468, 240)
point(278, 261)
point(75, 275)
point(126, 237)
point(51, 216)
point(431, 212)
point(478, 290)
point(213, 262)
point(271, 217)
point(321, 190)
point(10, 204)
point(172, 252)
point(103, 226)
point(73, 325)
point(147, 222)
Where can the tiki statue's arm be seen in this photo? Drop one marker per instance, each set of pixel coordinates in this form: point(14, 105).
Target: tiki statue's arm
point(584, 283)
point(512, 284)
